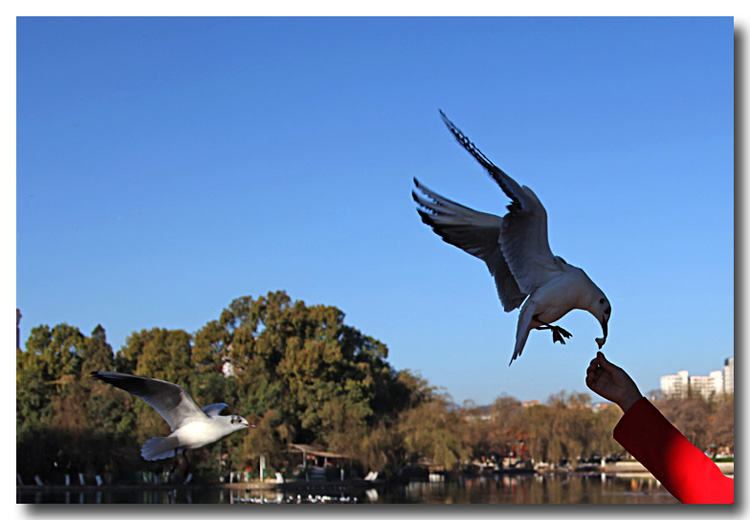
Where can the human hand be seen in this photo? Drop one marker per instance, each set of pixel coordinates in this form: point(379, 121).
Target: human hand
point(611, 382)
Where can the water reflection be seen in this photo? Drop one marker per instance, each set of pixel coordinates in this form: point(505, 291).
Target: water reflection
point(495, 489)
point(537, 489)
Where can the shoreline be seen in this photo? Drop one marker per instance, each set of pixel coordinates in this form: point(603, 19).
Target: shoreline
point(255, 485)
point(621, 469)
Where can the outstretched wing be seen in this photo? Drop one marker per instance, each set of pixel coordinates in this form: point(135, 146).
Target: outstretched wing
point(214, 409)
point(523, 231)
point(175, 404)
point(475, 232)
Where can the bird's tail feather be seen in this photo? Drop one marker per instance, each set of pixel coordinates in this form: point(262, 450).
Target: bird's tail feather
point(160, 448)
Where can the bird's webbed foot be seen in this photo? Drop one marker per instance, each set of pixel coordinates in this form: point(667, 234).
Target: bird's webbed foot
point(558, 333)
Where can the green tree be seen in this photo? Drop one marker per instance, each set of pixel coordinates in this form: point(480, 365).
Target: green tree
point(50, 363)
point(158, 353)
point(538, 421)
point(432, 433)
point(65, 423)
point(210, 350)
point(325, 380)
point(381, 449)
point(96, 353)
point(605, 421)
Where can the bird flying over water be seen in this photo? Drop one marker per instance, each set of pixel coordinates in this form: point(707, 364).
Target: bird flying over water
point(517, 253)
point(192, 427)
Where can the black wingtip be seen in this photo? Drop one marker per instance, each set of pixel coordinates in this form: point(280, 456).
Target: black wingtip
point(447, 121)
point(495, 172)
point(459, 135)
point(427, 219)
point(415, 195)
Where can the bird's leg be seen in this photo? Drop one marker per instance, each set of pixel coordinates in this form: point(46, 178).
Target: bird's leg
point(173, 469)
point(558, 333)
point(187, 463)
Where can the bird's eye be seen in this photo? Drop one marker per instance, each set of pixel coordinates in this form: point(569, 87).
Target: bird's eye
point(601, 300)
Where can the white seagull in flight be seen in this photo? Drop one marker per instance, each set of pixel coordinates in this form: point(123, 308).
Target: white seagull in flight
point(192, 427)
point(517, 253)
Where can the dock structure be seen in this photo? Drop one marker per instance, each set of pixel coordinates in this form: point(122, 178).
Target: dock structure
point(628, 467)
point(308, 451)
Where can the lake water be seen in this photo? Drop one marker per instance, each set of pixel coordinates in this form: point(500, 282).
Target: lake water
point(497, 489)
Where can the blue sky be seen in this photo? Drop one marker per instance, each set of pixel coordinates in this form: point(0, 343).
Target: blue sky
point(168, 166)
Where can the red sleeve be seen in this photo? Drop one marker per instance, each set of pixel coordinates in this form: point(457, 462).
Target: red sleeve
point(684, 470)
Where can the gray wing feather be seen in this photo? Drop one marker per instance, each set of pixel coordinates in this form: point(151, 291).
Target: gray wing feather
point(214, 409)
point(175, 404)
point(476, 233)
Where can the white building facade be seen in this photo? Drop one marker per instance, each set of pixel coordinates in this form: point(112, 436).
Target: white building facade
point(711, 387)
point(675, 386)
point(729, 375)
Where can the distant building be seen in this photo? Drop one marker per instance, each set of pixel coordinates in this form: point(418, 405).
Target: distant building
point(682, 385)
point(597, 407)
point(707, 387)
point(675, 386)
point(729, 375)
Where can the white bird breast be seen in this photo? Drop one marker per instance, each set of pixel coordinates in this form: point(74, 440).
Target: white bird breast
point(199, 433)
